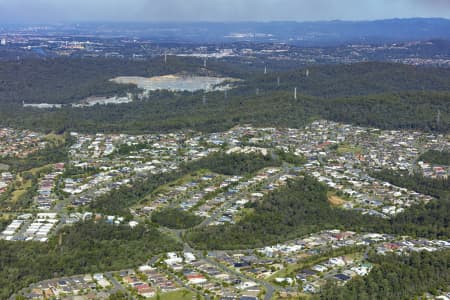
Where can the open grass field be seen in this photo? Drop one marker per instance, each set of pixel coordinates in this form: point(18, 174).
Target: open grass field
point(347, 148)
point(335, 200)
point(56, 138)
point(178, 295)
point(167, 187)
point(25, 184)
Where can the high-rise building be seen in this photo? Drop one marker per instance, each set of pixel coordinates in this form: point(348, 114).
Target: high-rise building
point(3, 42)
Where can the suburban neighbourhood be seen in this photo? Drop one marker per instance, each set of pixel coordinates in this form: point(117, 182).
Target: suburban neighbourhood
point(341, 156)
point(280, 271)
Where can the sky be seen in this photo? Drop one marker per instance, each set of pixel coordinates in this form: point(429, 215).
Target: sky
point(53, 11)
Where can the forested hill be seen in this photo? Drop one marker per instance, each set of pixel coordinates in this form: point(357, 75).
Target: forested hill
point(332, 81)
point(391, 96)
point(167, 112)
point(65, 80)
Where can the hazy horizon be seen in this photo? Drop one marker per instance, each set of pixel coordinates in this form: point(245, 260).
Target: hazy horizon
point(212, 22)
point(160, 11)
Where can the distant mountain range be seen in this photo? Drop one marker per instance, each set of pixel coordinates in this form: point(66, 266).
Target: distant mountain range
point(299, 33)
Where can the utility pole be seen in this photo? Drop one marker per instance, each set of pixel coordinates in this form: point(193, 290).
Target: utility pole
point(438, 118)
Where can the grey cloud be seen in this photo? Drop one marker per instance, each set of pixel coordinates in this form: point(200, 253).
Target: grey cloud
point(216, 10)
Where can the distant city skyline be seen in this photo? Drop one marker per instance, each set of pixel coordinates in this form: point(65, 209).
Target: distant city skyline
point(53, 11)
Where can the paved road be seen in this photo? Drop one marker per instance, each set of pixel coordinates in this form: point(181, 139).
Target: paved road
point(270, 289)
point(154, 259)
point(178, 234)
point(117, 286)
point(181, 283)
point(232, 200)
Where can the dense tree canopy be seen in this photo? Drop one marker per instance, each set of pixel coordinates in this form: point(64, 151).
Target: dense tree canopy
point(397, 277)
point(234, 163)
point(295, 210)
point(118, 201)
point(436, 157)
point(369, 94)
point(439, 187)
point(67, 80)
point(176, 218)
point(302, 207)
point(85, 248)
point(54, 152)
point(373, 94)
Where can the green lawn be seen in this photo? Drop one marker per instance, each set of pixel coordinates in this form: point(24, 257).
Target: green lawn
point(178, 295)
point(26, 184)
point(346, 148)
point(180, 181)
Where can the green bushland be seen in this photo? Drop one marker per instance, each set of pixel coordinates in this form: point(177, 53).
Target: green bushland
point(119, 201)
point(397, 277)
point(176, 218)
point(86, 248)
point(392, 96)
point(436, 157)
point(302, 207)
